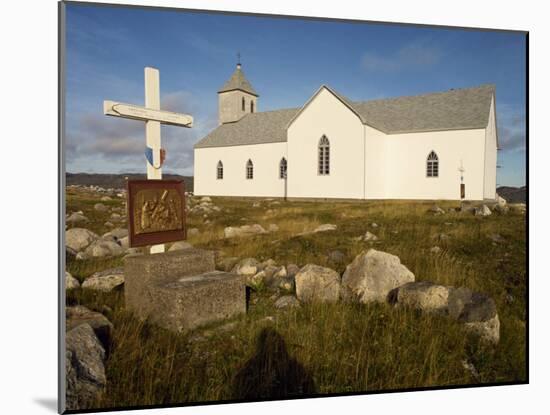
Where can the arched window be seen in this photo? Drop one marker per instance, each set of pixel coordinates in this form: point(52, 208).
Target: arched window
point(282, 169)
point(249, 169)
point(324, 156)
point(242, 103)
point(432, 165)
point(219, 170)
point(251, 106)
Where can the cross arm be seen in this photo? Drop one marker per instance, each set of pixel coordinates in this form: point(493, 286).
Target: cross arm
point(119, 109)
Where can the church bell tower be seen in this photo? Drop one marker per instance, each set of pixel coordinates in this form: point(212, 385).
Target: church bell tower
point(236, 98)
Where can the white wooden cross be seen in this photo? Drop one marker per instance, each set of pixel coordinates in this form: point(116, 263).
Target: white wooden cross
point(153, 117)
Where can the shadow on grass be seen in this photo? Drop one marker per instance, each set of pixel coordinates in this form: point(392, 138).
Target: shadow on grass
point(272, 372)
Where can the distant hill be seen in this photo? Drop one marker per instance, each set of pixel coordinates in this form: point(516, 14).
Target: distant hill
point(118, 181)
point(513, 194)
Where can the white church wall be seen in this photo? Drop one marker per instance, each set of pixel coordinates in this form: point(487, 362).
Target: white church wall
point(265, 158)
point(375, 167)
point(326, 115)
point(405, 164)
point(491, 155)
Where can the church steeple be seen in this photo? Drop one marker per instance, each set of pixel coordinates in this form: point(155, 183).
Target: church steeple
point(236, 98)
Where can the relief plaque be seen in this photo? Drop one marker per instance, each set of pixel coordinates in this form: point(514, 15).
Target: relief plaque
point(156, 211)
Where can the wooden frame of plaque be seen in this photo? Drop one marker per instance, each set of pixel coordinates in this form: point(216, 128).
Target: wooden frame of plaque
point(156, 211)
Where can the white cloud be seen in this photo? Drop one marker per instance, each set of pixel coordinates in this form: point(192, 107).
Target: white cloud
point(414, 55)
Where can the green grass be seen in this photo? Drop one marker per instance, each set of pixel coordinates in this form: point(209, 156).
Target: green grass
point(337, 348)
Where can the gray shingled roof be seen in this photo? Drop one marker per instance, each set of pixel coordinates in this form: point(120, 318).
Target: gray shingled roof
point(451, 110)
point(253, 128)
point(238, 81)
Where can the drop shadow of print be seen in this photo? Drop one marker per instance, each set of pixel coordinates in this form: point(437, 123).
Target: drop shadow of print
point(272, 373)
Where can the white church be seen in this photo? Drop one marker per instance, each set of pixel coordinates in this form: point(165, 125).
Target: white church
point(439, 145)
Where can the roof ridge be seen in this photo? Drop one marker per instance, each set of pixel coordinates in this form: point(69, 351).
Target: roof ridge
point(452, 90)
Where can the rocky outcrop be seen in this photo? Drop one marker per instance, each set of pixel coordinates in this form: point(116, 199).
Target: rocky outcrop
point(84, 367)
point(79, 238)
point(102, 327)
point(76, 218)
point(317, 284)
point(372, 275)
point(247, 266)
point(106, 280)
point(100, 207)
point(71, 282)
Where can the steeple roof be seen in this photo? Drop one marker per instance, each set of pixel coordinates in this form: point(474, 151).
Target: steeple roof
point(238, 82)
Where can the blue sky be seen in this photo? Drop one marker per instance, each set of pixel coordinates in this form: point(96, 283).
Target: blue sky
point(286, 60)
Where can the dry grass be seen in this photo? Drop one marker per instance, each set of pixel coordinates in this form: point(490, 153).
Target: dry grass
point(336, 348)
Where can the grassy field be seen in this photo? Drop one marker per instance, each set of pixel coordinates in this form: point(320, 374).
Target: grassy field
point(322, 348)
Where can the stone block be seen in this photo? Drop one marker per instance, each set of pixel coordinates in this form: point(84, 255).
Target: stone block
point(144, 273)
point(196, 300)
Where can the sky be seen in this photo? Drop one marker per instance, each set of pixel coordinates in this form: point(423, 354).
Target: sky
point(285, 59)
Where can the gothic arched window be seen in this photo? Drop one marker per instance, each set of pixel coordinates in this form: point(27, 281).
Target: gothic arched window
point(324, 156)
point(242, 103)
point(249, 169)
point(282, 168)
point(251, 106)
point(432, 165)
point(219, 170)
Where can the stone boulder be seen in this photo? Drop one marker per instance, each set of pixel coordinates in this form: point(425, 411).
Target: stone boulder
point(178, 246)
point(100, 207)
point(482, 211)
point(79, 238)
point(245, 230)
point(247, 266)
point(315, 283)
point(287, 301)
point(372, 275)
point(436, 210)
point(421, 295)
point(500, 200)
point(325, 228)
point(78, 315)
point(118, 233)
point(84, 367)
point(71, 282)
point(370, 236)
point(105, 281)
point(76, 218)
point(477, 311)
point(102, 248)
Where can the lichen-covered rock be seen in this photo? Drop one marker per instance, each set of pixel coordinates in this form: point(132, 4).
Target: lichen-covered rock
point(325, 227)
point(422, 295)
point(245, 230)
point(315, 283)
point(78, 315)
point(84, 367)
point(477, 311)
point(372, 275)
point(79, 238)
point(106, 280)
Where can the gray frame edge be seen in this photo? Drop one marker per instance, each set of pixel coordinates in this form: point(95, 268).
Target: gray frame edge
point(61, 380)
